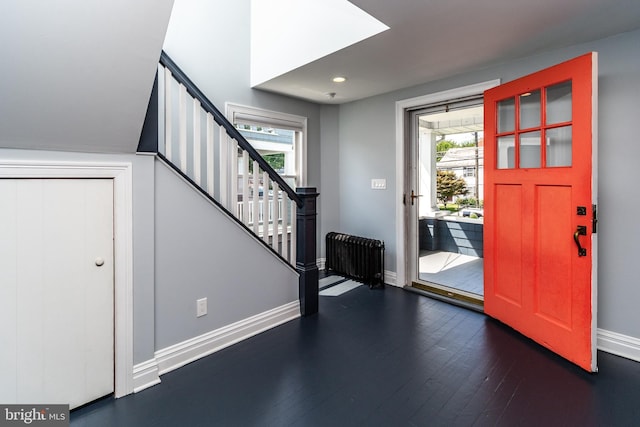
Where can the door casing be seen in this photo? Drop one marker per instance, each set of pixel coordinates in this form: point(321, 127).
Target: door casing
point(405, 228)
point(121, 173)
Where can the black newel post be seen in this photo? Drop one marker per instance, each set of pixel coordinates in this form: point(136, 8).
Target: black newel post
point(306, 251)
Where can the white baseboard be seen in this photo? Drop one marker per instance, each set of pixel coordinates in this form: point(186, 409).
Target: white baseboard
point(180, 354)
point(618, 344)
point(145, 375)
point(390, 278)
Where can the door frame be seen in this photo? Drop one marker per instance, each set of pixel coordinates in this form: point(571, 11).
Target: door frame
point(121, 173)
point(403, 239)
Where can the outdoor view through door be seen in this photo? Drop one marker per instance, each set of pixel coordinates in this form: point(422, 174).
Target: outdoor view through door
point(449, 142)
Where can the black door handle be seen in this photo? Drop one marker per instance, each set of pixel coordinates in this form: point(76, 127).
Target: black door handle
point(581, 231)
point(414, 196)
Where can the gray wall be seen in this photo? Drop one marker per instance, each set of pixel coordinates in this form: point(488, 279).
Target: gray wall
point(329, 209)
point(201, 252)
point(367, 151)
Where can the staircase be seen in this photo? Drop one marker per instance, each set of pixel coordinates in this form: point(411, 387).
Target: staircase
point(187, 132)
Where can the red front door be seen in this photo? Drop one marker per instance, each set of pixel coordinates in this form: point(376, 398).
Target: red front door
point(539, 207)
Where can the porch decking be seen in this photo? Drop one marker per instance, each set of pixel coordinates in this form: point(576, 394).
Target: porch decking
point(454, 270)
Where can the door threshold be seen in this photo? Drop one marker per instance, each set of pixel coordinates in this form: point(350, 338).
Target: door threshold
point(450, 297)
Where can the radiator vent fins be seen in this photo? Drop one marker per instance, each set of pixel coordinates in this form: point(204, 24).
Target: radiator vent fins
point(357, 258)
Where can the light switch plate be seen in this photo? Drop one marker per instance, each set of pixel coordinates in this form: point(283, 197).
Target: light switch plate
point(379, 184)
point(201, 307)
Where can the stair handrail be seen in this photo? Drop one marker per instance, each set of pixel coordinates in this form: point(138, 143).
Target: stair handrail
point(231, 130)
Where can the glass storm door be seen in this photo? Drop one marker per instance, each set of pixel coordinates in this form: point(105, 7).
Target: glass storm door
point(448, 138)
point(540, 196)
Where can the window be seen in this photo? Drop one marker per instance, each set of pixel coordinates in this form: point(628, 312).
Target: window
point(276, 146)
point(279, 138)
point(542, 135)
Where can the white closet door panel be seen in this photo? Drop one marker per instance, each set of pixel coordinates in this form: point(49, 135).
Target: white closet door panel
point(8, 291)
point(63, 303)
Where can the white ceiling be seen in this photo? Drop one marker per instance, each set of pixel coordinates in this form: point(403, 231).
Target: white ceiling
point(432, 39)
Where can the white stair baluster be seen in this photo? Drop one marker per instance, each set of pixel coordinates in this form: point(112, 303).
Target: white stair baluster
point(197, 154)
point(245, 187)
point(276, 217)
point(210, 158)
point(161, 113)
point(255, 205)
point(285, 227)
point(168, 115)
point(294, 256)
point(229, 173)
point(265, 207)
point(182, 128)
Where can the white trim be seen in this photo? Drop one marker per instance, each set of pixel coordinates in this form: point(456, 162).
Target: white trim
point(594, 200)
point(121, 173)
point(391, 278)
point(145, 375)
point(180, 354)
point(276, 119)
point(401, 107)
point(264, 117)
point(619, 344)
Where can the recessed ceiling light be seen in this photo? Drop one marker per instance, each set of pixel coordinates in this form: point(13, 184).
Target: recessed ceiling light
point(339, 79)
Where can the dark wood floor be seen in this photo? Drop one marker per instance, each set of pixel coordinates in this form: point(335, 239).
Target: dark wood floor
point(382, 357)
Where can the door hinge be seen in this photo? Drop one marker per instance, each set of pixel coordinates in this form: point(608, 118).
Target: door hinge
point(594, 220)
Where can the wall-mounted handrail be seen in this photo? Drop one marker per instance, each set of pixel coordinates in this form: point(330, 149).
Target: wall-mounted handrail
point(222, 121)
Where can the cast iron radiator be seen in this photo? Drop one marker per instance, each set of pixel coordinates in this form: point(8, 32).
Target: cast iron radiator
point(356, 257)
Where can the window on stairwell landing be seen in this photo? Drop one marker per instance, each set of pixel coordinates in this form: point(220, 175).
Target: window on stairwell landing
point(280, 139)
point(276, 146)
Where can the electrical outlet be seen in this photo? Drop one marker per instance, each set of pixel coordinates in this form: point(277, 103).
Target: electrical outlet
point(201, 307)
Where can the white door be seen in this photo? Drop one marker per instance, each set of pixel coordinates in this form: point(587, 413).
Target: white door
point(56, 290)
